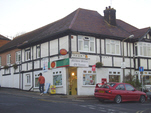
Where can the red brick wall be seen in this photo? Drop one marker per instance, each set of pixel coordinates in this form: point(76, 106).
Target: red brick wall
point(4, 56)
point(3, 42)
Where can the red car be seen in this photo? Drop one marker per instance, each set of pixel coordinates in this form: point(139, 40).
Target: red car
point(119, 92)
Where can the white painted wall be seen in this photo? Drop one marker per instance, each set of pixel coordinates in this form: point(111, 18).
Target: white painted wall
point(74, 43)
point(64, 43)
point(54, 47)
point(44, 49)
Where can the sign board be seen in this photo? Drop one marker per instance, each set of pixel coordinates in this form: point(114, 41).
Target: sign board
point(79, 62)
point(141, 69)
point(93, 68)
point(123, 65)
point(46, 88)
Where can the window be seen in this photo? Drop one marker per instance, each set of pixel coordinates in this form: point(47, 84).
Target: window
point(28, 79)
point(38, 51)
point(0, 61)
point(57, 77)
point(27, 55)
point(114, 78)
point(147, 79)
point(86, 44)
point(18, 57)
point(89, 77)
point(143, 49)
point(112, 47)
point(36, 83)
point(129, 87)
point(8, 59)
point(120, 87)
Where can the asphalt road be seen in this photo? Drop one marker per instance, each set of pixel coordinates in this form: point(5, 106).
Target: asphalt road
point(17, 101)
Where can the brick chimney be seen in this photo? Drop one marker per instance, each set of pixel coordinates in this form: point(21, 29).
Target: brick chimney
point(110, 15)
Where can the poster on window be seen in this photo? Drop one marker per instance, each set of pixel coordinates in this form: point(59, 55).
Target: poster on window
point(45, 64)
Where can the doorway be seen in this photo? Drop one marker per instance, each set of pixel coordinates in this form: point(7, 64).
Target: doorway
point(72, 78)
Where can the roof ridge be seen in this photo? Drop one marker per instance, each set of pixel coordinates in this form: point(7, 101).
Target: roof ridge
point(75, 17)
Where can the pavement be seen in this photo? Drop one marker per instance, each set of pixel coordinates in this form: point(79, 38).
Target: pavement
point(33, 94)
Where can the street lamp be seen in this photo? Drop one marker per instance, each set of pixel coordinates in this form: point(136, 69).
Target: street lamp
point(131, 36)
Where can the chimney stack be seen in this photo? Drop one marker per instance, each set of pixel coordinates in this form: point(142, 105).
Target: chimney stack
point(110, 15)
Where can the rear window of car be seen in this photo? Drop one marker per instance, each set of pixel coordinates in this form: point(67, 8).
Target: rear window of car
point(107, 85)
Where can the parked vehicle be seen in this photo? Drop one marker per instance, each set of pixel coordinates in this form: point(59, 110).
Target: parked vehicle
point(119, 92)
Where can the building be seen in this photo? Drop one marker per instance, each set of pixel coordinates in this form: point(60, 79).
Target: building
point(3, 40)
point(66, 52)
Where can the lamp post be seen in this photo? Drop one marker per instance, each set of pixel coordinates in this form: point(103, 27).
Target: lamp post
point(131, 36)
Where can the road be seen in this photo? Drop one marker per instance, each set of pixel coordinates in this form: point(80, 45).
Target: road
point(29, 102)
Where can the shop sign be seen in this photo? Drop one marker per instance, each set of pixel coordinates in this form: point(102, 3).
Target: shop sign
point(59, 63)
point(79, 62)
point(93, 68)
point(63, 51)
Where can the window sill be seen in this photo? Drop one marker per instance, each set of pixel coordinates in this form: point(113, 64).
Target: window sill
point(27, 84)
point(88, 85)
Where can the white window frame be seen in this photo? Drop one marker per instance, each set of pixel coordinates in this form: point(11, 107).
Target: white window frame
point(86, 44)
point(8, 59)
point(0, 61)
point(28, 79)
point(38, 51)
point(27, 55)
point(87, 77)
point(18, 57)
point(112, 47)
point(57, 72)
point(144, 49)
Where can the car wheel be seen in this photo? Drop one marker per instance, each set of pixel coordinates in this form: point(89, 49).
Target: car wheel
point(101, 100)
point(142, 99)
point(118, 99)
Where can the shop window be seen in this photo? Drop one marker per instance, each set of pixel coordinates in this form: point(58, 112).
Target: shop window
point(147, 80)
point(57, 77)
point(114, 78)
point(89, 78)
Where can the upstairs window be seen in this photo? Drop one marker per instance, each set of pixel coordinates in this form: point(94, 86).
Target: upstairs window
point(112, 47)
point(86, 44)
point(27, 55)
point(18, 57)
point(8, 59)
point(38, 51)
point(143, 49)
point(0, 61)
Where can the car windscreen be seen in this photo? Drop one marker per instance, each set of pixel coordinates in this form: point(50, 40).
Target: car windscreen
point(107, 85)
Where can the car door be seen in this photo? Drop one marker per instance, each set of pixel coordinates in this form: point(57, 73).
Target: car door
point(131, 93)
point(121, 91)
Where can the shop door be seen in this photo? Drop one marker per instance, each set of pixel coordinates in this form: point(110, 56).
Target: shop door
point(72, 81)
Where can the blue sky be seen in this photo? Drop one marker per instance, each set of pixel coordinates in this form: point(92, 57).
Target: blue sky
point(17, 16)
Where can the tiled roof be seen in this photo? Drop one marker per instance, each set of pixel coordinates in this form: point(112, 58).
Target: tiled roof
point(3, 37)
point(81, 20)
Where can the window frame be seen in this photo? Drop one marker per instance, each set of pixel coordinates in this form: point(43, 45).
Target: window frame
point(111, 46)
point(28, 79)
point(0, 61)
point(18, 57)
point(38, 51)
point(8, 59)
point(55, 73)
point(82, 40)
point(87, 76)
point(27, 54)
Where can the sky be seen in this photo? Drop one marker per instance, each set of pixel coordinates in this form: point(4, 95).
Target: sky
point(21, 16)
